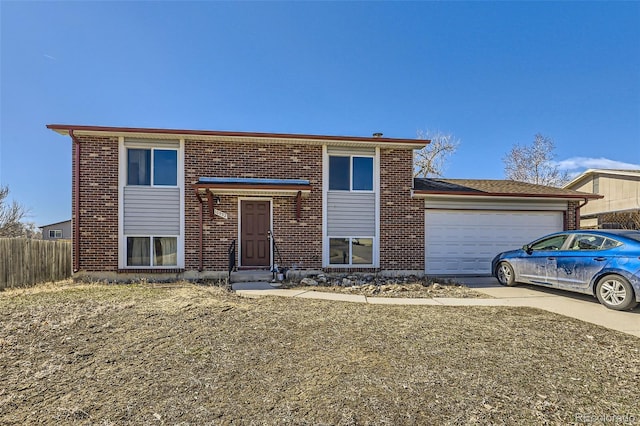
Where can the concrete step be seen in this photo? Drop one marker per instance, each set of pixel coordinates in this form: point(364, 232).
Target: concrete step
point(251, 276)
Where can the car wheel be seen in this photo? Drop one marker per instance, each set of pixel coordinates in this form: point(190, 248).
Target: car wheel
point(615, 292)
point(505, 274)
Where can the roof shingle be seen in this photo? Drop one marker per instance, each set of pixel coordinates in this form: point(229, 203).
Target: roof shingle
point(489, 187)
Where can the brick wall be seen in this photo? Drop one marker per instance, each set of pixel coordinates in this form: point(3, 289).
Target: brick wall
point(98, 245)
point(572, 219)
point(401, 217)
point(298, 242)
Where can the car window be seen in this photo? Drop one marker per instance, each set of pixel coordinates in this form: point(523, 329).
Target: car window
point(592, 242)
point(552, 243)
point(609, 243)
point(586, 242)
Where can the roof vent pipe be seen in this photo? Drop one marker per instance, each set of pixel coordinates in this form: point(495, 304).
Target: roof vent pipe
point(377, 135)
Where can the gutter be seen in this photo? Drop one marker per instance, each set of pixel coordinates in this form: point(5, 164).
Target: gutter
point(230, 136)
point(76, 212)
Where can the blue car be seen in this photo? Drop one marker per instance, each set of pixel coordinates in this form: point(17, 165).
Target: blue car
point(602, 263)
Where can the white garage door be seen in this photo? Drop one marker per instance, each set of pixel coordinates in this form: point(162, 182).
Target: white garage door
point(461, 242)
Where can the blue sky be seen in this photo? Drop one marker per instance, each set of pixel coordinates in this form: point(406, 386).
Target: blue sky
point(493, 74)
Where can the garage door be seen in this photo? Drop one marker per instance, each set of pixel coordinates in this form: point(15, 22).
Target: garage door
point(461, 242)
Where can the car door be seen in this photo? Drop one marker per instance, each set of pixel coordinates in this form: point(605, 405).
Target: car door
point(584, 257)
point(539, 264)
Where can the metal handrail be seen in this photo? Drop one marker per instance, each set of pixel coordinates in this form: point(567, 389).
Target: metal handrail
point(232, 257)
point(276, 252)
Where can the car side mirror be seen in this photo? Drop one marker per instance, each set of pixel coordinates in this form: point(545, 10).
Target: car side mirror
point(527, 248)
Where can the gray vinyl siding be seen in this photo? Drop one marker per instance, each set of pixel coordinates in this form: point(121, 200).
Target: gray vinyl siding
point(151, 211)
point(351, 214)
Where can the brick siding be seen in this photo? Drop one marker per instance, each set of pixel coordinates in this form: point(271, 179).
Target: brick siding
point(401, 217)
point(299, 243)
point(572, 220)
point(98, 245)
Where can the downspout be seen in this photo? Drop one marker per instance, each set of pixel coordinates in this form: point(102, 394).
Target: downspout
point(200, 265)
point(577, 213)
point(76, 208)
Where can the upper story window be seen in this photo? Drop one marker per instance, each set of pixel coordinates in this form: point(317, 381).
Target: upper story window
point(158, 167)
point(350, 173)
point(596, 185)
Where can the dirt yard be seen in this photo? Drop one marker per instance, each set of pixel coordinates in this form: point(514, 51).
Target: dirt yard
point(193, 355)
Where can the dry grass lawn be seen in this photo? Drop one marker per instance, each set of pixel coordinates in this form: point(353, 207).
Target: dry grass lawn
point(192, 355)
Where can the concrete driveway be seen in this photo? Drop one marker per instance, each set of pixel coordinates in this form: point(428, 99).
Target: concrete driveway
point(574, 305)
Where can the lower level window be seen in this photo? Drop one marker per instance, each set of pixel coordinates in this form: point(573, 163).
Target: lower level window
point(351, 251)
point(141, 251)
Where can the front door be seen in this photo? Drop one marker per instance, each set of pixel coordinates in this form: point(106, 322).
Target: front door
point(255, 221)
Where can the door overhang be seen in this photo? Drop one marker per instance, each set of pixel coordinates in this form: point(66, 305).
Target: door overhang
point(210, 187)
point(254, 186)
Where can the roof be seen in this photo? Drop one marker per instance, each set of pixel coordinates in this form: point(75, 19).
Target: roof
point(217, 135)
point(590, 172)
point(493, 188)
point(56, 223)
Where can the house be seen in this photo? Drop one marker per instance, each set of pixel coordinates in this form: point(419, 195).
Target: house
point(57, 231)
point(469, 221)
point(193, 204)
point(620, 205)
point(190, 204)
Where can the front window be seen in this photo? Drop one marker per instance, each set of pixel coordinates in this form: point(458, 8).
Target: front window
point(152, 167)
point(350, 173)
point(351, 251)
point(139, 251)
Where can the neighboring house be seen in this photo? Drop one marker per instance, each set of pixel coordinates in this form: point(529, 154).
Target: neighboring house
point(57, 231)
point(173, 203)
point(468, 222)
point(620, 207)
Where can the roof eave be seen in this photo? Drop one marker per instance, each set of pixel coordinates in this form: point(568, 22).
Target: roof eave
point(64, 129)
point(484, 195)
point(590, 172)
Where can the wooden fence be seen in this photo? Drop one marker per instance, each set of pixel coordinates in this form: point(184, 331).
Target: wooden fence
point(24, 262)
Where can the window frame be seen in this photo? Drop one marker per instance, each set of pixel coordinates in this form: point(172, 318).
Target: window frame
point(57, 233)
point(350, 256)
point(152, 253)
point(152, 166)
point(351, 170)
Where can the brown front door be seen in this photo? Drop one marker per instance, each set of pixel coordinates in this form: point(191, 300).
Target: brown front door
point(255, 222)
